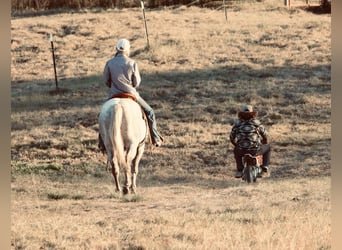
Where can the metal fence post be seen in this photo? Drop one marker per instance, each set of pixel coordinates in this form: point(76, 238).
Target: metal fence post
point(54, 60)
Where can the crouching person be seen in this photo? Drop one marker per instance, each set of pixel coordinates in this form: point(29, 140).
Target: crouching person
point(249, 136)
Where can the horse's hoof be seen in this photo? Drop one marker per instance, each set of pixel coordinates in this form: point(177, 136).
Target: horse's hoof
point(125, 190)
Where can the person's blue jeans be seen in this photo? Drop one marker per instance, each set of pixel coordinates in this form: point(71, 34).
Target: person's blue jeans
point(151, 119)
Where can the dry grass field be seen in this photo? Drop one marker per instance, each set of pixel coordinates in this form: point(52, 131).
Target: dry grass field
point(196, 74)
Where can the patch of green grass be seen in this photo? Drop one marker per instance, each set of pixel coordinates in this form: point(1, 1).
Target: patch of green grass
point(57, 196)
point(19, 190)
point(24, 168)
point(77, 197)
point(52, 166)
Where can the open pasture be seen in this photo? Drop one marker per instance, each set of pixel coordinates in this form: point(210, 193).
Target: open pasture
point(196, 74)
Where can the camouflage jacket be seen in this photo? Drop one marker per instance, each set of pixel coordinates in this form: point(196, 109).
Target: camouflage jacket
point(248, 133)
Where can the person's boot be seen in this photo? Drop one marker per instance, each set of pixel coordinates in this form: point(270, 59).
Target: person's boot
point(157, 139)
point(238, 174)
point(158, 142)
point(265, 171)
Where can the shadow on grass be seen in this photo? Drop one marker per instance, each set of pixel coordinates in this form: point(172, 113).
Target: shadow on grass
point(214, 91)
point(324, 8)
point(278, 173)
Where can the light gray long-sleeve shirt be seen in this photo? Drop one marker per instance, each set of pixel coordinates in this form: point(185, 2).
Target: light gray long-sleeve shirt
point(121, 75)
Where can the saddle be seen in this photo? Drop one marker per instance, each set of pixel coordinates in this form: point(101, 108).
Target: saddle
point(125, 95)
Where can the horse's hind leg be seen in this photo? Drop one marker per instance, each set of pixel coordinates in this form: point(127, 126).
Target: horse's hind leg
point(135, 167)
point(107, 166)
point(130, 174)
point(115, 172)
point(128, 181)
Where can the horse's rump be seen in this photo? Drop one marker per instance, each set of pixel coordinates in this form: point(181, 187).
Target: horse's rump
point(123, 118)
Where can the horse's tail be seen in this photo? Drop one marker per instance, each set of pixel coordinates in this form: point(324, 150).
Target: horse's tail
point(118, 143)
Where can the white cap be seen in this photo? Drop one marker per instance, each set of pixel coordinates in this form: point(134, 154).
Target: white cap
point(123, 45)
point(247, 108)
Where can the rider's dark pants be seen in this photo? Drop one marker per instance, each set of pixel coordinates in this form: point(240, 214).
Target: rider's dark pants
point(264, 150)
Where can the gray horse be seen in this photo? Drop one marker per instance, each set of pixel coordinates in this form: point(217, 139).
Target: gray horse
point(124, 133)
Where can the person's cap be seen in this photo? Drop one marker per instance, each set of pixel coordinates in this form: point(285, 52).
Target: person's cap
point(123, 45)
point(247, 108)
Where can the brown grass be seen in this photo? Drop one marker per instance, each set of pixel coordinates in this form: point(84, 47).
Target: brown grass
point(198, 71)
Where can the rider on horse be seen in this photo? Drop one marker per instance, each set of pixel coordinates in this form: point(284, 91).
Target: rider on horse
point(122, 77)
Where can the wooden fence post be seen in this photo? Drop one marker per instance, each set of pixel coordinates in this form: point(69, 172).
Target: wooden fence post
point(145, 24)
point(225, 9)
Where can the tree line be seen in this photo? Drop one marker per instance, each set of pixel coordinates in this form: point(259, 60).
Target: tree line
point(38, 5)
point(19, 6)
